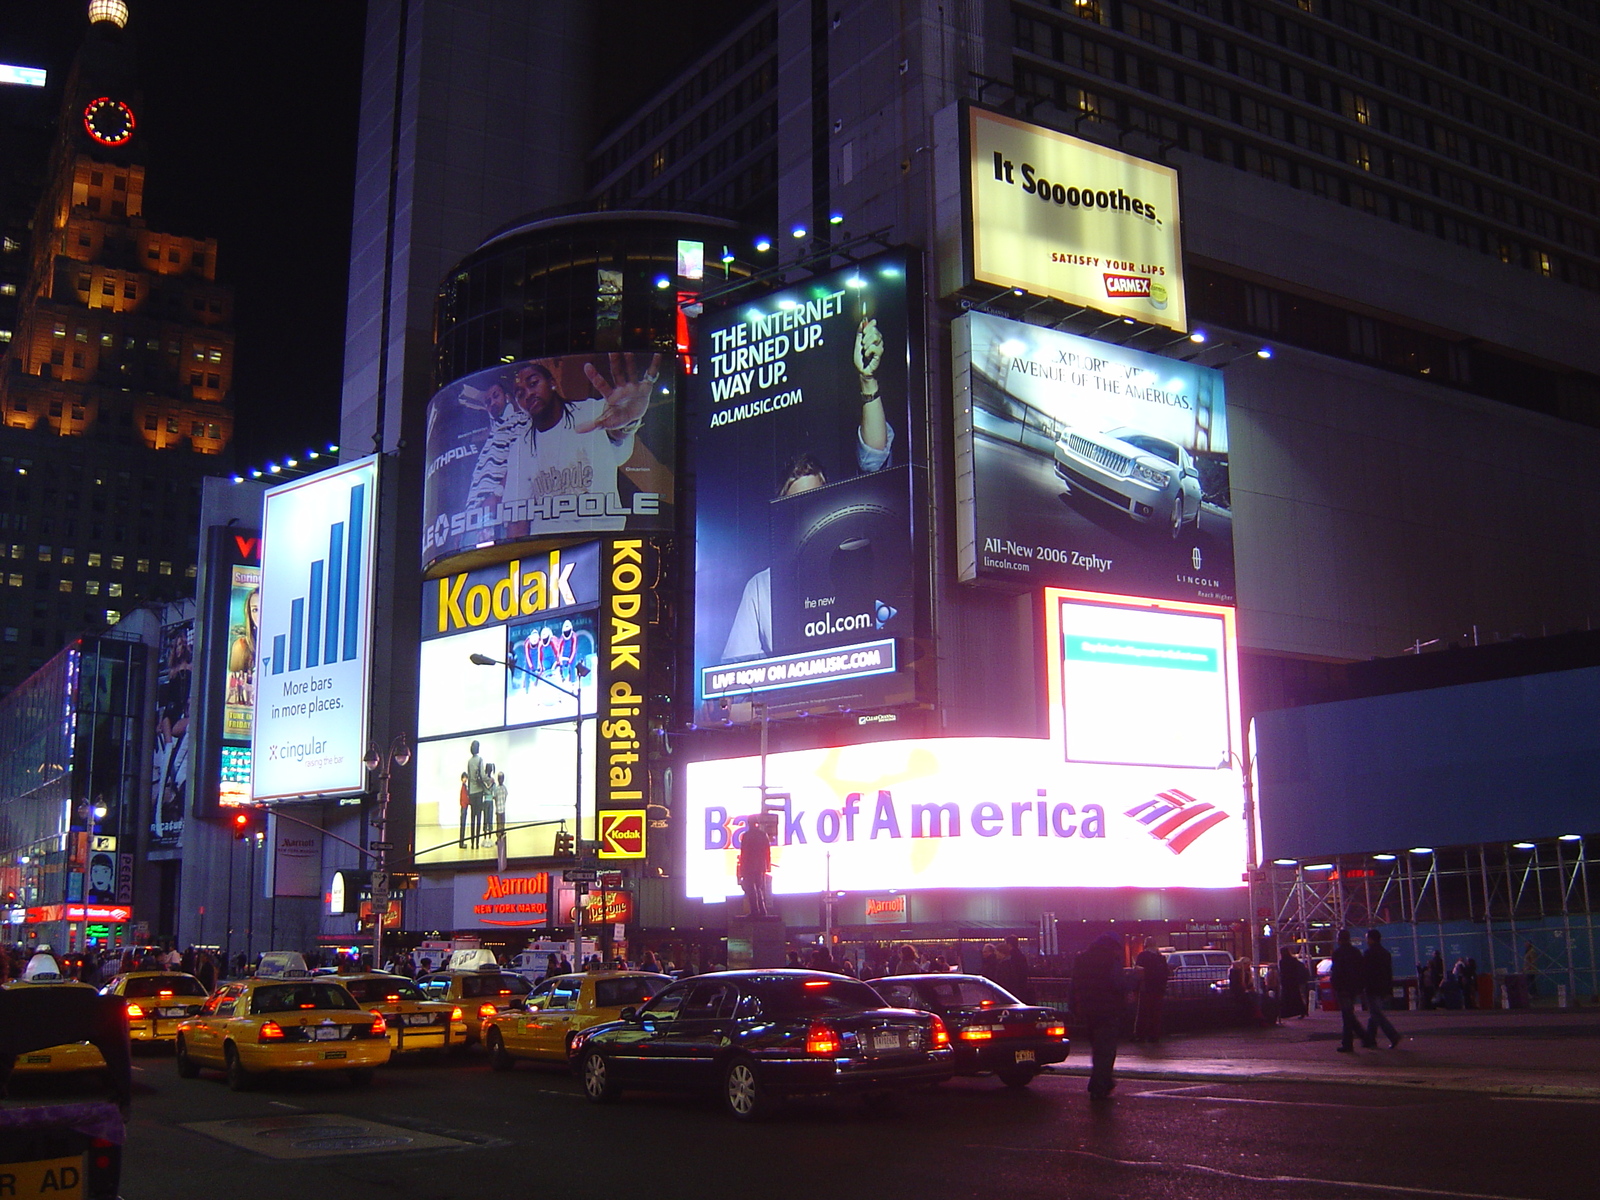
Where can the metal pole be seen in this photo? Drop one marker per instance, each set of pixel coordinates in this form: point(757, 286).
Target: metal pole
point(577, 825)
point(381, 861)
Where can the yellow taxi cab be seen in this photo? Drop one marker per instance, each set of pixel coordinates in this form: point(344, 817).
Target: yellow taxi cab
point(288, 1022)
point(561, 1007)
point(480, 991)
point(43, 971)
point(157, 1001)
point(415, 1022)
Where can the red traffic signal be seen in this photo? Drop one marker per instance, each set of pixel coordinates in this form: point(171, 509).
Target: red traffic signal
point(244, 824)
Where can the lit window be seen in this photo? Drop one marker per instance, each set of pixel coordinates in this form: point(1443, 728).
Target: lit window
point(172, 424)
point(107, 339)
point(214, 354)
point(91, 587)
point(80, 334)
point(68, 554)
point(113, 589)
point(198, 429)
point(65, 585)
point(189, 571)
point(8, 289)
point(199, 354)
point(14, 579)
point(60, 330)
point(5, 335)
point(142, 566)
point(44, 553)
point(116, 562)
point(16, 550)
point(164, 568)
point(94, 558)
point(112, 616)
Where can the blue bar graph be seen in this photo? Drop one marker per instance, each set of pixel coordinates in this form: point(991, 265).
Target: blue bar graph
point(335, 567)
point(333, 591)
point(314, 619)
point(352, 603)
point(297, 616)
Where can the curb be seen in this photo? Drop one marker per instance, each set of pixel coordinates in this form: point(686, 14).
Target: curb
point(1252, 1070)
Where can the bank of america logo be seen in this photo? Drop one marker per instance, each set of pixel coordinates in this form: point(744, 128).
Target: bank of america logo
point(325, 623)
point(1176, 818)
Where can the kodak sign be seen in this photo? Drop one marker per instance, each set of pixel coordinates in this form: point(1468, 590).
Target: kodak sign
point(622, 775)
point(524, 587)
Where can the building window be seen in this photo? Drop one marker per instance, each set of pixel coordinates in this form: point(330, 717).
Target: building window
point(198, 429)
point(16, 550)
point(113, 589)
point(142, 566)
point(55, 408)
point(94, 558)
point(12, 633)
point(96, 178)
point(68, 554)
point(120, 183)
point(130, 291)
point(60, 330)
point(79, 413)
point(83, 283)
point(164, 568)
point(150, 422)
point(108, 287)
point(77, 359)
point(116, 562)
point(213, 381)
point(14, 579)
point(153, 252)
point(80, 334)
point(211, 431)
point(214, 354)
point(91, 587)
point(173, 256)
point(172, 424)
point(190, 571)
point(45, 553)
point(65, 585)
point(215, 306)
point(195, 380)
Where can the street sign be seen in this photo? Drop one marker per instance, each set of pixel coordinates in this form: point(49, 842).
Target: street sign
point(380, 845)
point(614, 880)
point(580, 875)
point(621, 833)
point(380, 882)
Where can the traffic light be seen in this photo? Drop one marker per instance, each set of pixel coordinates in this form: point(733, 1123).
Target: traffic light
point(244, 824)
point(565, 847)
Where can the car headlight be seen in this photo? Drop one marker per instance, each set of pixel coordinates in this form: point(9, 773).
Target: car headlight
point(1152, 475)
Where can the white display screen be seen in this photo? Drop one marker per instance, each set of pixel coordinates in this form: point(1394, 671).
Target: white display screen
point(455, 693)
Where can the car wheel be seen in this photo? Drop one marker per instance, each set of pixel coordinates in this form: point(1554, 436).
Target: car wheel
point(1178, 522)
point(360, 1076)
point(744, 1094)
point(499, 1058)
point(187, 1067)
point(239, 1079)
point(598, 1083)
point(1017, 1077)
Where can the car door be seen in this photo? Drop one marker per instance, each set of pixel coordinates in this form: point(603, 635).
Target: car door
point(204, 1039)
point(519, 1033)
point(637, 1049)
point(688, 1053)
point(900, 995)
point(547, 1028)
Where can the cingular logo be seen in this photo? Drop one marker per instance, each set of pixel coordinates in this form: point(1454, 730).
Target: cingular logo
point(832, 624)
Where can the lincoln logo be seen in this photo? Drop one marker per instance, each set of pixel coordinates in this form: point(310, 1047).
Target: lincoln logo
point(528, 885)
point(893, 906)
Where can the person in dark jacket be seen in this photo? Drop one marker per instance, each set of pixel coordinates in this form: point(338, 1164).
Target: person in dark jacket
point(1377, 977)
point(1292, 980)
point(1347, 981)
point(1100, 1002)
point(1153, 972)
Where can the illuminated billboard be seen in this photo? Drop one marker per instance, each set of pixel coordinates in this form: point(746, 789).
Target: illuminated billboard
point(532, 625)
point(1088, 465)
point(575, 444)
point(313, 658)
point(1153, 806)
point(805, 546)
point(1062, 217)
point(174, 748)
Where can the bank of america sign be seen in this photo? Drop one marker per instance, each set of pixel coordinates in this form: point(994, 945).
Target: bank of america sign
point(313, 649)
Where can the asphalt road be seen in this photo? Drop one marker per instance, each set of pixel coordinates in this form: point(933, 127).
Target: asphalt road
point(531, 1133)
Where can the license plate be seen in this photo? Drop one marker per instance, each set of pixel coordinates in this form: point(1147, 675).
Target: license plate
point(886, 1040)
point(1026, 1056)
point(329, 1033)
point(171, 1012)
point(419, 1019)
point(37, 1059)
point(59, 1178)
point(333, 1054)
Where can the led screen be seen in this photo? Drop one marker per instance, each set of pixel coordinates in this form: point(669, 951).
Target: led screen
point(556, 660)
point(456, 694)
point(459, 821)
point(1010, 812)
point(805, 548)
point(244, 634)
point(1088, 465)
point(580, 443)
point(174, 748)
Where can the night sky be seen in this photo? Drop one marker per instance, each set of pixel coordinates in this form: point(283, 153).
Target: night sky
point(250, 126)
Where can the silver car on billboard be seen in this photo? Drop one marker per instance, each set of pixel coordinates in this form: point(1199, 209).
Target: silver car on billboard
point(1151, 479)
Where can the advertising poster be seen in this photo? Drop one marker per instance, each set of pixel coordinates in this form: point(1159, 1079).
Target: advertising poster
point(316, 635)
point(1088, 465)
point(580, 443)
point(1067, 218)
point(521, 780)
point(244, 633)
point(169, 771)
point(294, 866)
point(1016, 812)
point(805, 552)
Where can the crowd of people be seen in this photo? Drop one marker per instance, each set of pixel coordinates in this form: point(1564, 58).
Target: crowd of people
point(100, 965)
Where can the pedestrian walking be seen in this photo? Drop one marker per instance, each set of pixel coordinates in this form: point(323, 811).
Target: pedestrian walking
point(1153, 973)
point(1014, 968)
point(989, 963)
point(1347, 981)
point(1377, 980)
point(1292, 979)
point(1099, 1002)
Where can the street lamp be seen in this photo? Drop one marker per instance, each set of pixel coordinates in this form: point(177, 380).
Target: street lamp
point(582, 670)
point(399, 755)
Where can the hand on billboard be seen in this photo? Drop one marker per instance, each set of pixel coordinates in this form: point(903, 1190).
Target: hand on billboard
point(625, 400)
point(868, 354)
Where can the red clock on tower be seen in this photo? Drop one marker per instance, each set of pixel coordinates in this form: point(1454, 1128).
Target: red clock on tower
point(109, 122)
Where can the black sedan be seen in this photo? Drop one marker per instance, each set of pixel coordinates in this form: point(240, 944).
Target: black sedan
point(990, 1028)
point(756, 1037)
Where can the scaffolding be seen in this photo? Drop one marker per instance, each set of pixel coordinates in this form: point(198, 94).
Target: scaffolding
point(1517, 908)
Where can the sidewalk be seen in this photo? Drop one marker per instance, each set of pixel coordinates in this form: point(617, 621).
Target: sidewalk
point(1521, 1052)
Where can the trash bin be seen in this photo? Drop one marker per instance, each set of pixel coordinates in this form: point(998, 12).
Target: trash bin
point(62, 1150)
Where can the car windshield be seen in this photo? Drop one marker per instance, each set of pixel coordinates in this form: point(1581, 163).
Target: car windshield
point(493, 984)
point(154, 985)
point(799, 996)
point(293, 997)
point(1150, 445)
point(613, 993)
point(376, 991)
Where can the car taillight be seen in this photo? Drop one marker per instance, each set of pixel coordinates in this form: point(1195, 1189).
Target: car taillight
point(822, 1039)
point(271, 1031)
point(941, 1035)
point(455, 1013)
point(1057, 1030)
point(135, 1012)
point(380, 1027)
point(972, 1033)
point(487, 1010)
